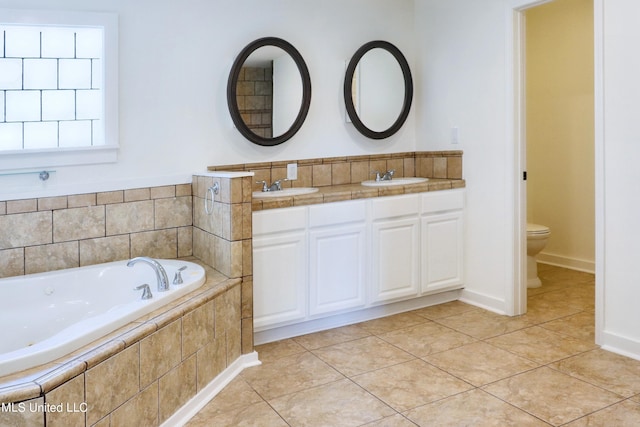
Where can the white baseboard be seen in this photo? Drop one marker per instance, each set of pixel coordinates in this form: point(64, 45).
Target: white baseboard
point(624, 346)
point(483, 301)
point(338, 320)
point(567, 262)
point(197, 402)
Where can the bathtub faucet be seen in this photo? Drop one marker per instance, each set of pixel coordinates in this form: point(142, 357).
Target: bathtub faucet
point(161, 274)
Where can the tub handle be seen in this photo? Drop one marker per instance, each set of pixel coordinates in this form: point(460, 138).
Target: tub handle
point(146, 291)
point(177, 279)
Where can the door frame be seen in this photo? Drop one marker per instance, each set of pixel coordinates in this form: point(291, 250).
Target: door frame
point(516, 295)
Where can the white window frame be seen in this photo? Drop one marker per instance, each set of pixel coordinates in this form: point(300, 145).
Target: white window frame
point(11, 160)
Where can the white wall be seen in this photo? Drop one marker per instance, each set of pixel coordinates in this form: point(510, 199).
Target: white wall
point(174, 61)
point(461, 64)
point(621, 139)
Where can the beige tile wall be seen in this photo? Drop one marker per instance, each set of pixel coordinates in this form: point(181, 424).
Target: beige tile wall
point(54, 233)
point(352, 170)
point(223, 239)
point(146, 382)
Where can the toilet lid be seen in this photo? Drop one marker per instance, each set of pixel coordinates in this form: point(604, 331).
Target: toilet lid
point(537, 229)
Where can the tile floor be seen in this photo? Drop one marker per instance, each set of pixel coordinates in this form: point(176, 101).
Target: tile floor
point(447, 365)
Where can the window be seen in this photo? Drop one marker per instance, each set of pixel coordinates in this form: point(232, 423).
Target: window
point(58, 88)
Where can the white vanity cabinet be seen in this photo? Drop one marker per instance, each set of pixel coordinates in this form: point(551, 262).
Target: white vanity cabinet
point(338, 257)
point(280, 266)
point(331, 264)
point(442, 241)
point(395, 245)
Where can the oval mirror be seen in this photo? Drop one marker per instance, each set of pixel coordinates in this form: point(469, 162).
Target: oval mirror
point(269, 91)
point(378, 89)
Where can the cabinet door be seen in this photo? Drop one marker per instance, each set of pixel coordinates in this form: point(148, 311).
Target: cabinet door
point(442, 251)
point(395, 259)
point(337, 268)
point(279, 279)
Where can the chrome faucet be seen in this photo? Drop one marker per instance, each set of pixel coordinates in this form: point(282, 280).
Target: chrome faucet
point(161, 274)
point(276, 186)
point(387, 176)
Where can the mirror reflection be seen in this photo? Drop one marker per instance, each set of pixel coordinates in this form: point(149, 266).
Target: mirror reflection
point(269, 91)
point(378, 89)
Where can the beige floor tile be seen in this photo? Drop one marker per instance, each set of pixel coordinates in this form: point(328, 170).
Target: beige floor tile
point(426, 338)
point(304, 377)
point(550, 273)
point(604, 369)
point(480, 363)
point(278, 349)
point(275, 350)
point(581, 325)
point(234, 397)
point(473, 408)
point(256, 415)
point(541, 345)
point(340, 403)
point(363, 355)
point(410, 384)
point(289, 374)
point(445, 310)
point(625, 414)
point(391, 323)
point(579, 297)
point(483, 324)
point(537, 315)
point(396, 420)
point(331, 337)
point(551, 395)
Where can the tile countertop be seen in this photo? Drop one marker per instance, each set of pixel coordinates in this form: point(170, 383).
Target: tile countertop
point(337, 193)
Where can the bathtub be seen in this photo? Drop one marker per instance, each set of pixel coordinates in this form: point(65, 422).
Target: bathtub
point(45, 316)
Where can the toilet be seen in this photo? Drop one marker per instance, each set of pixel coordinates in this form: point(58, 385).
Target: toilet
point(537, 236)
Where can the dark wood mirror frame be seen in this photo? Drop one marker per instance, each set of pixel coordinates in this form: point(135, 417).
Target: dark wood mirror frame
point(408, 89)
point(232, 89)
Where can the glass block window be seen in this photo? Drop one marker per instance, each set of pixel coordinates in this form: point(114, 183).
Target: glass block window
point(51, 83)
point(58, 87)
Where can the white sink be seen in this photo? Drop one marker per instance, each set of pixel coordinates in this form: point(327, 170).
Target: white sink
point(395, 181)
point(285, 192)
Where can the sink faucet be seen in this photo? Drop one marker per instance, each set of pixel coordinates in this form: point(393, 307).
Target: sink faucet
point(161, 274)
point(387, 176)
point(276, 186)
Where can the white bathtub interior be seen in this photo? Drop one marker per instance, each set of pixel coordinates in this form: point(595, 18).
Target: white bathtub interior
point(48, 315)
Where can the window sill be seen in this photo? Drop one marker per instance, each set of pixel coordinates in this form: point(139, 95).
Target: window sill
point(15, 160)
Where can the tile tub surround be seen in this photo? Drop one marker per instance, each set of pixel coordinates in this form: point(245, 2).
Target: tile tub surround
point(223, 239)
point(54, 233)
point(158, 362)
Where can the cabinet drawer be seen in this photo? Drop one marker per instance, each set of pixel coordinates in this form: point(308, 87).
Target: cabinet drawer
point(337, 213)
point(395, 206)
point(440, 201)
point(279, 220)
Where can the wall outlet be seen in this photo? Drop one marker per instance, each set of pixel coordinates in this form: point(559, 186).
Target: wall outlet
point(292, 171)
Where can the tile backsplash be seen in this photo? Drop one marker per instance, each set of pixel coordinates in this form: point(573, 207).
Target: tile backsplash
point(328, 171)
point(53, 233)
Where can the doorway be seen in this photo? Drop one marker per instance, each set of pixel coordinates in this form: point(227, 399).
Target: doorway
point(558, 117)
